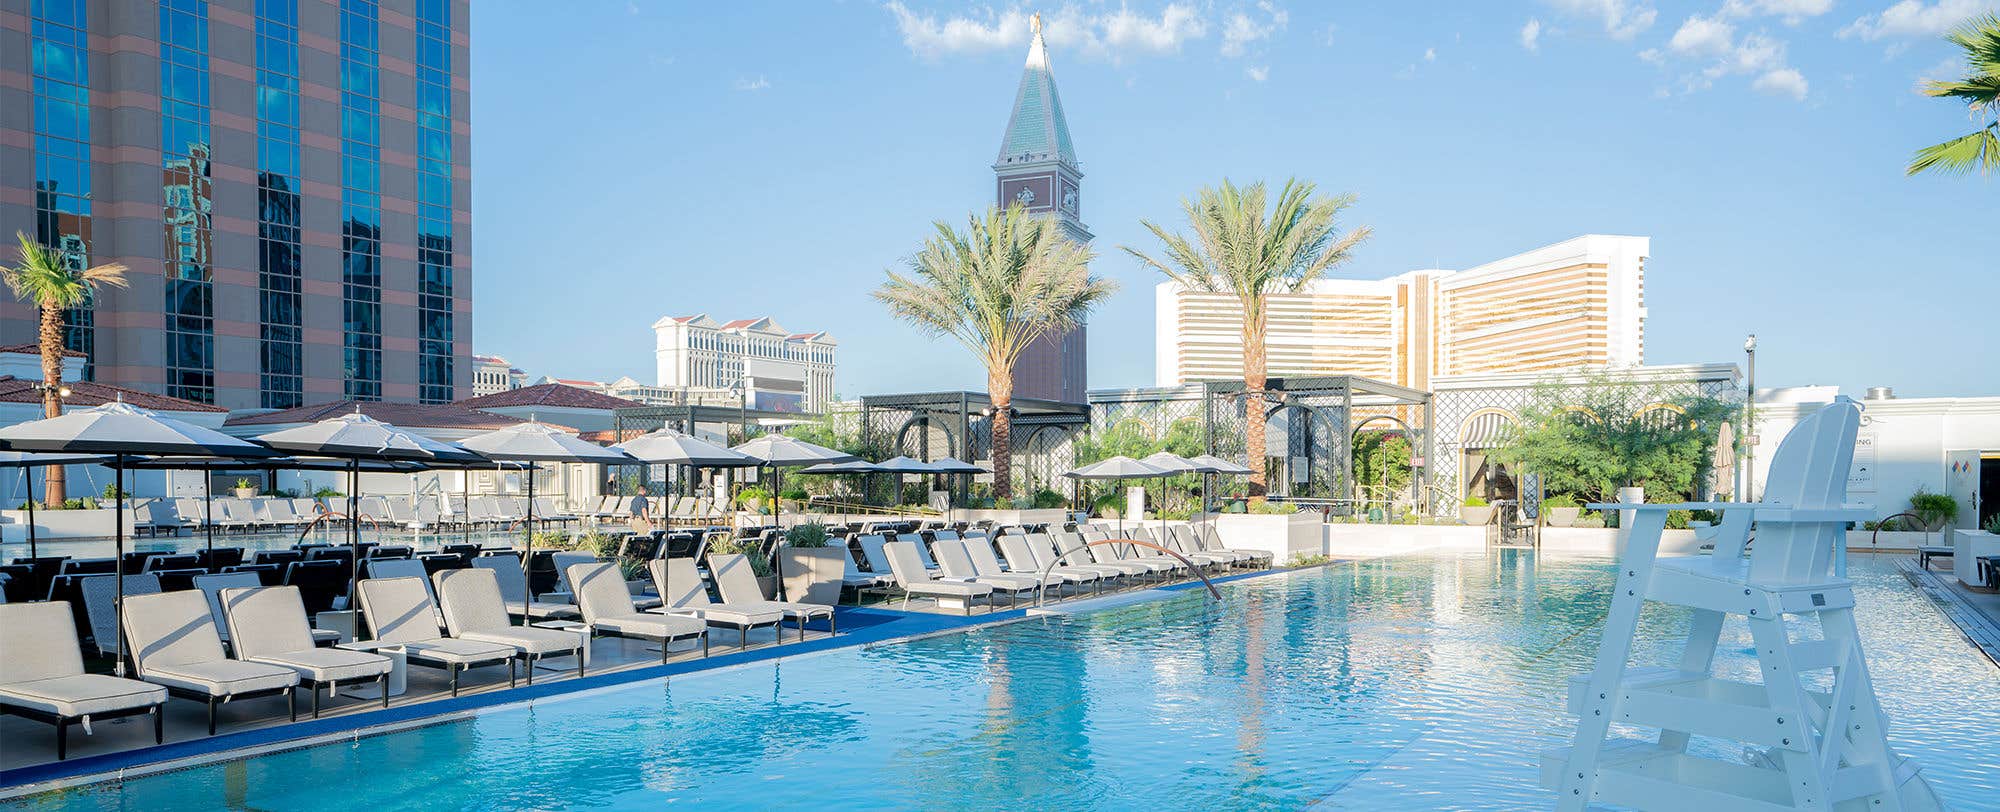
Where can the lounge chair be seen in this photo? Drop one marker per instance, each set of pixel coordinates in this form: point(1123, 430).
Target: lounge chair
point(267, 624)
point(1183, 537)
point(738, 585)
point(607, 609)
point(915, 580)
point(400, 612)
point(985, 564)
point(211, 587)
point(684, 592)
point(1021, 559)
point(41, 675)
point(956, 564)
point(1212, 541)
point(1044, 548)
point(513, 585)
point(175, 644)
point(473, 610)
point(99, 599)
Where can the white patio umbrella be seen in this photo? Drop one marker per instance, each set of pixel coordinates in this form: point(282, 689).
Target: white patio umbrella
point(1118, 468)
point(122, 431)
point(28, 462)
point(535, 442)
point(669, 447)
point(354, 438)
point(1171, 464)
point(778, 452)
point(1211, 464)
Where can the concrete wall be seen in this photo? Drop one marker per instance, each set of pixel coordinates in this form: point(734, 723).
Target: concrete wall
point(1912, 441)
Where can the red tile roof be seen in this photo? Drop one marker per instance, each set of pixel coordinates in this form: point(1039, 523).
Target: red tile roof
point(739, 323)
point(36, 350)
point(406, 415)
point(550, 394)
point(85, 393)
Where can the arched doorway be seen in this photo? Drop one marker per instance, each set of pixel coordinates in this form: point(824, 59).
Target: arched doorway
point(1485, 477)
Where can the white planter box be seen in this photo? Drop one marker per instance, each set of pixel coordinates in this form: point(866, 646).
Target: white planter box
point(1013, 517)
point(1372, 540)
point(1967, 547)
point(61, 524)
point(1285, 536)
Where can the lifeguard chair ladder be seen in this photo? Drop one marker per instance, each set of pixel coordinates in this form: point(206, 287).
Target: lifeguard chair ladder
point(1805, 748)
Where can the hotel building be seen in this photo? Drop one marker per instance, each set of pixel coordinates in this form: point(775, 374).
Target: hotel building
point(1577, 303)
point(286, 181)
point(777, 370)
point(492, 374)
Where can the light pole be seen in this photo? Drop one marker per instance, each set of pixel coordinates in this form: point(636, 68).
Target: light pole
point(1750, 422)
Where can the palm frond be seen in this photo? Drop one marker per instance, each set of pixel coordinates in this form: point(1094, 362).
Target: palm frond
point(1240, 248)
point(1979, 150)
point(45, 276)
point(1979, 38)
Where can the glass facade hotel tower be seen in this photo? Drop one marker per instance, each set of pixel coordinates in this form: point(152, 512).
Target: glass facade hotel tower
point(285, 180)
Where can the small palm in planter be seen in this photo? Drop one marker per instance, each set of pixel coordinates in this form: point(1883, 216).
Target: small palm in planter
point(245, 489)
point(1561, 510)
point(1475, 511)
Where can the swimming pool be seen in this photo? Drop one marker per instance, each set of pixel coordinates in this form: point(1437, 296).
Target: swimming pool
point(1399, 683)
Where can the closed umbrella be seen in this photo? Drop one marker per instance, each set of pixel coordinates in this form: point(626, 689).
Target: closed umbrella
point(27, 462)
point(535, 442)
point(354, 438)
point(1116, 468)
point(123, 431)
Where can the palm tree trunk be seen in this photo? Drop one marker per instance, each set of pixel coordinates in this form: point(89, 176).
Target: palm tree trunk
point(1253, 401)
point(1000, 389)
point(52, 360)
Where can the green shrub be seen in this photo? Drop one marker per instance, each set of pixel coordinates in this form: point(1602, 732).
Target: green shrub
point(1589, 518)
point(86, 503)
point(1933, 509)
point(746, 548)
point(1678, 519)
point(1993, 524)
point(794, 495)
point(1561, 500)
point(326, 492)
point(1474, 501)
point(754, 498)
point(1113, 499)
point(111, 492)
point(1269, 508)
point(811, 535)
point(244, 482)
point(1046, 499)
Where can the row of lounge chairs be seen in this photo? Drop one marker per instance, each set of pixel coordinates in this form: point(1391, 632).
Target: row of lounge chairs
point(675, 510)
point(268, 513)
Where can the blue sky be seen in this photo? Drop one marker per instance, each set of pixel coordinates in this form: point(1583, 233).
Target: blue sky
point(633, 160)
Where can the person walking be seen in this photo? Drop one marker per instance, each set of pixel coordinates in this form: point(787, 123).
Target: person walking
point(641, 521)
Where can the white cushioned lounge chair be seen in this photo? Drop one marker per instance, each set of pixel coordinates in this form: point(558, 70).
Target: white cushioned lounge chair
point(738, 585)
point(956, 564)
point(686, 594)
point(915, 580)
point(513, 586)
point(175, 644)
point(268, 625)
point(473, 610)
point(400, 613)
point(607, 608)
point(41, 675)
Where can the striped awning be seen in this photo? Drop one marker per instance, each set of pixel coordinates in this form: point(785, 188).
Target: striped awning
point(1484, 430)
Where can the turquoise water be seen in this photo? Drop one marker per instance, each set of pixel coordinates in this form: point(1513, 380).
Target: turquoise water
point(1398, 684)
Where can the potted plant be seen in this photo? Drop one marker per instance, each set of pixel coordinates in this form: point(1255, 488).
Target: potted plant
point(753, 499)
point(1561, 510)
point(1475, 511)
point(812, 564)
point(245, 488)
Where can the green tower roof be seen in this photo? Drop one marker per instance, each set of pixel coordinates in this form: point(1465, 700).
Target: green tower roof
point(1037, 130)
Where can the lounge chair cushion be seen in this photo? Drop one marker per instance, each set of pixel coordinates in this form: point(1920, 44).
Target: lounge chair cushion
point(447, 650)
point(223, 677)
point(957, 588)
point(81, 694)
point(528, 639)
point(329, 664)
point(650, 625)
point(727, 615)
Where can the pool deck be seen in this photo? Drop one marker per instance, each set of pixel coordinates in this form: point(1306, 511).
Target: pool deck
point(124, 748)
point(1976, 613)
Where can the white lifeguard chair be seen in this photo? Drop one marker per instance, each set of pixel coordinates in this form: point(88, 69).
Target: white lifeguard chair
point(1804, 747)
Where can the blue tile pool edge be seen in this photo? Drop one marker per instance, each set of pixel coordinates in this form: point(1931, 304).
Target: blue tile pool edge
point(890, 627)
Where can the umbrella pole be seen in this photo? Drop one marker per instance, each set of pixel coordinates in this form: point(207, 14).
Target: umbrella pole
point(118, 532)
point(528, 561)
point(465, 515)
point(28, 480)
point(208, 509)
point(354, 544)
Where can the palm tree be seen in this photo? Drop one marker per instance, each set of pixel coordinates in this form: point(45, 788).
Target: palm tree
point(1240, 250)
point(1008, 279)
point(1980, 149)
point(46, 278)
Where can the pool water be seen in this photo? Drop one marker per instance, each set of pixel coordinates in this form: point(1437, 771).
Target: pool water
point(1410, 683)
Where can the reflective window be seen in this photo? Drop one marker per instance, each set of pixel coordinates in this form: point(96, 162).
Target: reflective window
point(280, 305)
point(434, 202)
point(361, 204)
point(187, 191)
point(61, 67)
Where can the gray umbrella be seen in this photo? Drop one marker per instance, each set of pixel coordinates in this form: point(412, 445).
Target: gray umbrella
point(27, 462)
point(778, 452)
point(905, 465)
point(123, 431)
point(854, 467)
point(669, 447)
point(1173, 464)
point(1119, 468)
point(534, 442)
point(1211, 464)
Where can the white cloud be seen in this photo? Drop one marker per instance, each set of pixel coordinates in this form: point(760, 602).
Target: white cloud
point(1914, 18)
point(1531, 35)
point(1258, 74)
point(1782, 82)
point(1702, 37)
point(1622, 19)
point(1791, 11)
point(1950, 70)
point(1242, 30)
point(753, 85)
point(1430, 54)
point(1111, 35)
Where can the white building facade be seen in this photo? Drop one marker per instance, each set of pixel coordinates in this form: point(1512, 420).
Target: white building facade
point(773, 369)
point(492, 374)
point(1574, 304)
point(1942, 445)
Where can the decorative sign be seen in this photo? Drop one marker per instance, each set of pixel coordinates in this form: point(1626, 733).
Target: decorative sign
point(1861, 477)
point(1416, 461)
